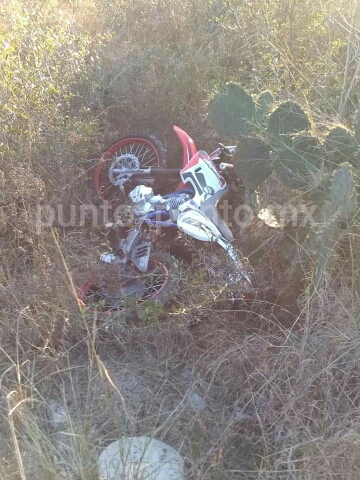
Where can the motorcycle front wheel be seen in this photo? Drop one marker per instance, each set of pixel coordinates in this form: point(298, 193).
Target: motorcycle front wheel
point(110, 295)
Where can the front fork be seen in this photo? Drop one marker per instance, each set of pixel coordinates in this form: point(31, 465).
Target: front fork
point(231, 251)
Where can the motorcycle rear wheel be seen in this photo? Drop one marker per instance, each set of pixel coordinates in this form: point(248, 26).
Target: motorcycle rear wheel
point(148, 149)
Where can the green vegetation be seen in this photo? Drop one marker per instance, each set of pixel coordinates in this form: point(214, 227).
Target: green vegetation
point(232, 112)
point(342, 206)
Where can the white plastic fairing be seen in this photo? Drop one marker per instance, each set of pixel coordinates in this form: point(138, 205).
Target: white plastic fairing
point(197, 225)
point(202, 174)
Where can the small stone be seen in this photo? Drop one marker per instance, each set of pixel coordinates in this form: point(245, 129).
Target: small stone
point(240, 417)
point(135, 458)
point(196, 401)
point(58, 415)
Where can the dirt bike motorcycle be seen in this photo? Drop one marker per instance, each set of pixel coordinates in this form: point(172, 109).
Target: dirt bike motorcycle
point(134, 169)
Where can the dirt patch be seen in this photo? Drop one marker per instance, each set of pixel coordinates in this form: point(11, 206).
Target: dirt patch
point(141, 393)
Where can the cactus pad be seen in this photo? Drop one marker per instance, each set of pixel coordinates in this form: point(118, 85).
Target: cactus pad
point(252, 161)
point(264, 104)
point(343, 192)
point(340, 146)
point(287, 118)
point(299, 166)
point(231, 113)
point(325, 244)
point(342, 206)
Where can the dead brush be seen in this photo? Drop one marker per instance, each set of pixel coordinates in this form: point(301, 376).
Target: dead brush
point(282, 403)
point(281, 392)
point(298, 388)
point(207, 286)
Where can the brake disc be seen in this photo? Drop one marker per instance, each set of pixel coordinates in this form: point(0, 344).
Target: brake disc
point(127, 163)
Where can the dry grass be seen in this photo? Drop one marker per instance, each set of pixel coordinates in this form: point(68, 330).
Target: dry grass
point(280, 377)
point(279, 405)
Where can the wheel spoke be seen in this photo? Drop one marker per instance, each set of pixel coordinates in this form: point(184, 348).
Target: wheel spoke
point(141, 154)
point(138, 149)
point(144, 151)
point(150, 162)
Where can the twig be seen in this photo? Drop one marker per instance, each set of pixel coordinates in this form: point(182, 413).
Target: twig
point(351, 86)
point(345, 94)
point(15, 441)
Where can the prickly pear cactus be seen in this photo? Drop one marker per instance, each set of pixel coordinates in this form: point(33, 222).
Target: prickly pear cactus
point(343, 193)
point(341, 146)
point(288, 118)
point(232, 112)
point(325, 244)
point(342, 206)
point(264, 103)
point(319, 193)
point(252, 161)
point(299, 165)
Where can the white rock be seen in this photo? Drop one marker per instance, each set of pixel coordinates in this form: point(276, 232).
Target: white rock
point(58, 415)
point(240, 417)
point(196, 401)
point(140, 458)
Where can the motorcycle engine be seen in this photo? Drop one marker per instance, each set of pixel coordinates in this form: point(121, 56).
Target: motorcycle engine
point(140, 197)
point(143, 200)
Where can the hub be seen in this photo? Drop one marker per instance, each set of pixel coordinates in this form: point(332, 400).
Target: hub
point(127, 163)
